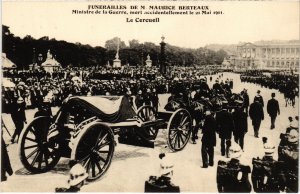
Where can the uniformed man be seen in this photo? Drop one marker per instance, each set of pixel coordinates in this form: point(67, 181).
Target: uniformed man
point(217, 87)
point(240, 125)
point(208, 139)
point(225, 129)
point(18, 117)
point(246, 100)
point(139, 99)
point(259, 98)
point(256, 114)
point(273, 110)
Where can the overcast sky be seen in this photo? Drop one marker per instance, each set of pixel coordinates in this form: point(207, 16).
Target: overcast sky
point(241, 21)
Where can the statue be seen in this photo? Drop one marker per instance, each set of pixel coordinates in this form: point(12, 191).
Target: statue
point(148, 61)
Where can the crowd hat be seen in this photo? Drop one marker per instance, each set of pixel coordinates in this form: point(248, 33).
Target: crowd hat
point(77, 175)
point(293, 136)
point(269, 149)
point(207, 112)
point(235, 151)
point(46, 99)
point(140, 92)
point(20, 100)
point(273, 94)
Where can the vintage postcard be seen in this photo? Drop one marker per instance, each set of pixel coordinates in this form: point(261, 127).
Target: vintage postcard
point(150, 96)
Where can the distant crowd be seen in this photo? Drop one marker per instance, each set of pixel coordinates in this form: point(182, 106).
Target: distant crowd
point(285, 83)
point(36, 86)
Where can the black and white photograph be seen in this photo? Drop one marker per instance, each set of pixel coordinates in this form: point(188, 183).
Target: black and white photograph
point(150, 96)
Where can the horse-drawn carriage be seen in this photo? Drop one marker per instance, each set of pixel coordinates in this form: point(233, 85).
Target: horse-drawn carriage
point(84, 128)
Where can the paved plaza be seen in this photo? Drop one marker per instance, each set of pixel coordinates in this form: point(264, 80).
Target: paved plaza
point(132, 166)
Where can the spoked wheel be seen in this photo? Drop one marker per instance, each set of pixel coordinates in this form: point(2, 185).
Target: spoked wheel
point(38, 153)
point(179, 129)
point(94, 150)
point(147, 113)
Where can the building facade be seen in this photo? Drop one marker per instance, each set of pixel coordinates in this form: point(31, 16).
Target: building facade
point(277, 56)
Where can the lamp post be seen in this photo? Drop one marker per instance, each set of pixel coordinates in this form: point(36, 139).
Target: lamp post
point(162, 56)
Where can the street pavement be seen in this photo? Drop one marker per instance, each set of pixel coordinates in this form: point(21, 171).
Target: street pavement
point(132, 166)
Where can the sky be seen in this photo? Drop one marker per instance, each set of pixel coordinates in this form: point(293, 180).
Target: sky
point(240, 22)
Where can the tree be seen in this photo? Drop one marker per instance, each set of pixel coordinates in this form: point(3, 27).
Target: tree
point(133, 43)
point(112, 44)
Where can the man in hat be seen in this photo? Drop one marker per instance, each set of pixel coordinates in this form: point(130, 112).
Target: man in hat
point(18, 117)
point(240, 125)
point(246, 100)
point(273, 110)
point(217, 87)
point(225, 128)
point(256, 114)
point(259, 98)
point(208, 140)
point(139, 99)
point(76, 180)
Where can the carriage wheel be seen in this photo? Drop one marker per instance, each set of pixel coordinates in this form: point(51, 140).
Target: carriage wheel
point(147, 113)
point(94, 150)
point(38, 153)
point(179, 129)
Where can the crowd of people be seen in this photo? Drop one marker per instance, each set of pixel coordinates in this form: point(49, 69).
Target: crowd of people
point(35, 86)
point(33, 89)
point(286, 83)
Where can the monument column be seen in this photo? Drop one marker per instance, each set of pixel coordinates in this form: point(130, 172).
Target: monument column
point(162, 67)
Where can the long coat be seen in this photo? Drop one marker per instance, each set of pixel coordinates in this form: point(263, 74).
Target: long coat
point(256, 111)
point(209, 131)
point(260, 99)
point(240, 122)
point(273, 107)
point(225, 124)
point(246, 99)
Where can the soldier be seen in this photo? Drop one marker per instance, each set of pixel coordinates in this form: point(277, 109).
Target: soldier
point(208, 140)
point(217, 87)
point(139, 99)
point(257, 115)
point(225, 128)
point(273, 110)
point(18, 117)
point(232, 176)
point(240, 125)
point(246, 100)
point(155, 100)
point(259, 98)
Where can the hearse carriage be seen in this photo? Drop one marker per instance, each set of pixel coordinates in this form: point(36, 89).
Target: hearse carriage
point(84, 130)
